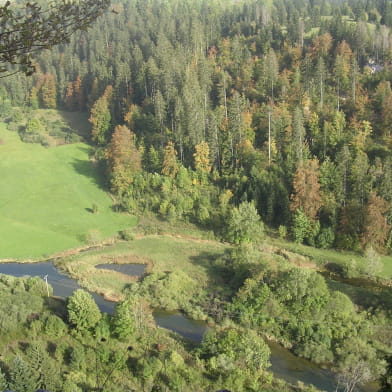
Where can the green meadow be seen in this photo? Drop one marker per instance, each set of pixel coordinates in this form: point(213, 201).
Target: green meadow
point(160, 253)
point(46, 199)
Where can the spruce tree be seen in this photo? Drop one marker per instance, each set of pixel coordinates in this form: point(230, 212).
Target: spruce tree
point(22, 376)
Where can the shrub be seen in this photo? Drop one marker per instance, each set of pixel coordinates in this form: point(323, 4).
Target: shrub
point(282, 232)
point(244, 224)
point(54, 326)
point(127, 234)
point(93, 237)
point(325, 238)
point(94, 208)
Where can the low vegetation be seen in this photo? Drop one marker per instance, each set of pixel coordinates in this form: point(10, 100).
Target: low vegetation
point(46, 199)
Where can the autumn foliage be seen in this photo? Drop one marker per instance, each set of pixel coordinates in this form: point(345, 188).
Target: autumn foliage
point(124, 160)
point(376, 227)
point(307, 189)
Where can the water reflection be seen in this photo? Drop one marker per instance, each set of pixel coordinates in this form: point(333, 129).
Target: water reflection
point(128, 269)
point(284, 364)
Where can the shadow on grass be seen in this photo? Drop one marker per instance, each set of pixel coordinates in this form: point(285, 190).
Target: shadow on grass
point(218, 270)
point(89, 170)
point(78, 121)
point(366, 297)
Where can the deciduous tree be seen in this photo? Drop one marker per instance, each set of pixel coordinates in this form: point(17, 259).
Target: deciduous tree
point(124, 160)
point(244, 224)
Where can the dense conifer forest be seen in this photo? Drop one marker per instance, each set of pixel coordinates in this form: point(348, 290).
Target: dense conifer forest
point(284, 104)
point(247, 119)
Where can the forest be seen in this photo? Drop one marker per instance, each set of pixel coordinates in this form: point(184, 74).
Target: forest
point(267, 125)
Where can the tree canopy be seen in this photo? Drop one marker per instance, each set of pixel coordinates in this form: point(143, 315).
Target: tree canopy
point(29, 27)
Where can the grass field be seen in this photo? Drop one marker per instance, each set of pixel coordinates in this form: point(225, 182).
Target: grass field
point(325, 256)
point(46, 198)
point(161, 253)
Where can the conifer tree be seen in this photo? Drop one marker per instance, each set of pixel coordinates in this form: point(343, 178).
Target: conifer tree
point(69, 97)
point(124, 159)
point(202, 157)
point(100, 117)
point(78, 93)
point(3, 381)
point(376, 227)
point(306, 186)
point(170, 165)
point(83, 312)
point(48, 91)
point(123, 322)
point(22, 377)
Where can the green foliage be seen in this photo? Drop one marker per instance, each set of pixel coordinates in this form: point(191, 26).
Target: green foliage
point(22, 376)
point(282, 232)
point(93, 237)
point(325, 238)
point(83, 312)
point(229, 349)
point(16, 307)
point(244, 224)
point(54, 326)
point(297, 307)
point(300, 227)
point(35, 28)
point(123, 323)
point(170, 291)
point(373, 264)
point(3, 381)
point(127, 234)
point(34, 126)
point(358, 363)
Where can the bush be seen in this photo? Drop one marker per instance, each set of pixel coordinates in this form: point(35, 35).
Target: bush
point(94, 208)
point(300, 226)
point(244, 224)
point(93, 237)
point(127, 235)
point(55, 327)
point(282, 232)
point(351, 268)
point(325, 238)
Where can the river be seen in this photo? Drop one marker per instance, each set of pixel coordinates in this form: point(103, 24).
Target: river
point(284, 364)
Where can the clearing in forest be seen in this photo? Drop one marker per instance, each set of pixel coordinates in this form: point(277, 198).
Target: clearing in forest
point(46, 199)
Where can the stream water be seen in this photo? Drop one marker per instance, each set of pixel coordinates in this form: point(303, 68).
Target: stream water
point(284, 364)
